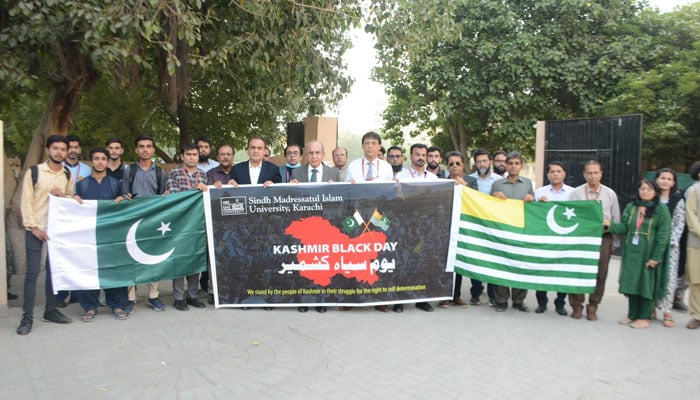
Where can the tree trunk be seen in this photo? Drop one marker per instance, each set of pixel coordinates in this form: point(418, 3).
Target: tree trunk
point(183, 122)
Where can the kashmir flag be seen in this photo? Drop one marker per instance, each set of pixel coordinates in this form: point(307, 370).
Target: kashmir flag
point(101, 244)
point(380, 221)
point(550, 246)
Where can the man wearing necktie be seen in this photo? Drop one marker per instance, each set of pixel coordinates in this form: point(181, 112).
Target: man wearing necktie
point(370, 167)
point(315, 171)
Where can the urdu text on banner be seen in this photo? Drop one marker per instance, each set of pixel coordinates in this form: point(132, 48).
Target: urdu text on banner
point(332, 244)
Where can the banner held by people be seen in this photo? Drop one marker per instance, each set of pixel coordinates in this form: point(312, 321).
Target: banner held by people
point(330, 244)
point(550, 246)
point(102, 244)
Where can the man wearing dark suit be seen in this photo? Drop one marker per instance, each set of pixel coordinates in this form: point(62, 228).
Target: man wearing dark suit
point(261, 171)
point(315, 171)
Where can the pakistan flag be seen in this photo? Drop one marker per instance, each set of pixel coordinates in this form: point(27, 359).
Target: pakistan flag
point(101, 244)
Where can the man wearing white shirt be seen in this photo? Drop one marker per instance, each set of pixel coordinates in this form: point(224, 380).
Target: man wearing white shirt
point(417, 170)
point(370, 167)
point(204, 148)
point(256, 170)
point(557, 190)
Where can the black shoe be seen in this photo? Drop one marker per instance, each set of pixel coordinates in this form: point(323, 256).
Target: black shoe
point(210, 298)
point(321, 309)
point(679, 305)
point(61, 303)
point(302, 309)
point(398, 308)
point(12, 296)
point(25, 326)
point(500, 307)
point(539, 309)
point(57, 317)
point(521, 307)
point(196, 303)
point(424, 306)
point(180, 305)
point(267, 308)
point(561, 311)
point(474, 301)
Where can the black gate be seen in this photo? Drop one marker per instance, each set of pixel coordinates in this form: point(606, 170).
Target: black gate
point(295, 133)
point(616, 142)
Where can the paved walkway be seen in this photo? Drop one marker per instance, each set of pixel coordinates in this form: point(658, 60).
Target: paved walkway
point(450, 353)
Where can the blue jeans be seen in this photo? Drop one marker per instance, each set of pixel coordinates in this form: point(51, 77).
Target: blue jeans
point(478, 288)
point(33, 246)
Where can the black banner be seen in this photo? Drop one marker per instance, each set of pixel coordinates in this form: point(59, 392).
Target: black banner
point(330, 244)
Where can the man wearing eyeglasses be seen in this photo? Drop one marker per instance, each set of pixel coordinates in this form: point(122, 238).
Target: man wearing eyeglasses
point(594, 190)
point(395, 158)
point(455, 168)
point(292, 153)
point(370, 167)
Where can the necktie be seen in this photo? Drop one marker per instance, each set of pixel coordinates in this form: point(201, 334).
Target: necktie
point(313, 175)
point(369, 171)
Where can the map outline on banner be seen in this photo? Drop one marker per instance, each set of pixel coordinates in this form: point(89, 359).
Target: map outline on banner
point(298, 209)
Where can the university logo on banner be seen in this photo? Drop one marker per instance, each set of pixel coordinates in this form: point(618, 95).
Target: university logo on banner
point(550, 246)
point(335, 244)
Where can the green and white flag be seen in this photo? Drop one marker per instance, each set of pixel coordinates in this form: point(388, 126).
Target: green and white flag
point(550, 246)
point(101, 244)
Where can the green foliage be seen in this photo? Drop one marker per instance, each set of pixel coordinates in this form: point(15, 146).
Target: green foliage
point(484, 72)
point(667, 90)
point(225, 69)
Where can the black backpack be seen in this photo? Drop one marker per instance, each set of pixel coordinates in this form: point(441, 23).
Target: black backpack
point(132, 176)
point(35, 174)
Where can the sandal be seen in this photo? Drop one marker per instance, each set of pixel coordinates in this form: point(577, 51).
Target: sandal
point(668, 320)
point(89, 315)
point(120, 314)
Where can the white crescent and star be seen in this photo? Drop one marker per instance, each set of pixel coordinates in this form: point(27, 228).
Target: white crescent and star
point(555, 227)
point(139, 255)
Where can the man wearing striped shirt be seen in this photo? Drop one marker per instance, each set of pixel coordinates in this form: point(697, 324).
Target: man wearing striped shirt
point(187, 177)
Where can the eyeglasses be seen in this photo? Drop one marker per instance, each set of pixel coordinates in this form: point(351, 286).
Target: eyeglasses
point(292, 153)
point(453, 163)
point(395, 156)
